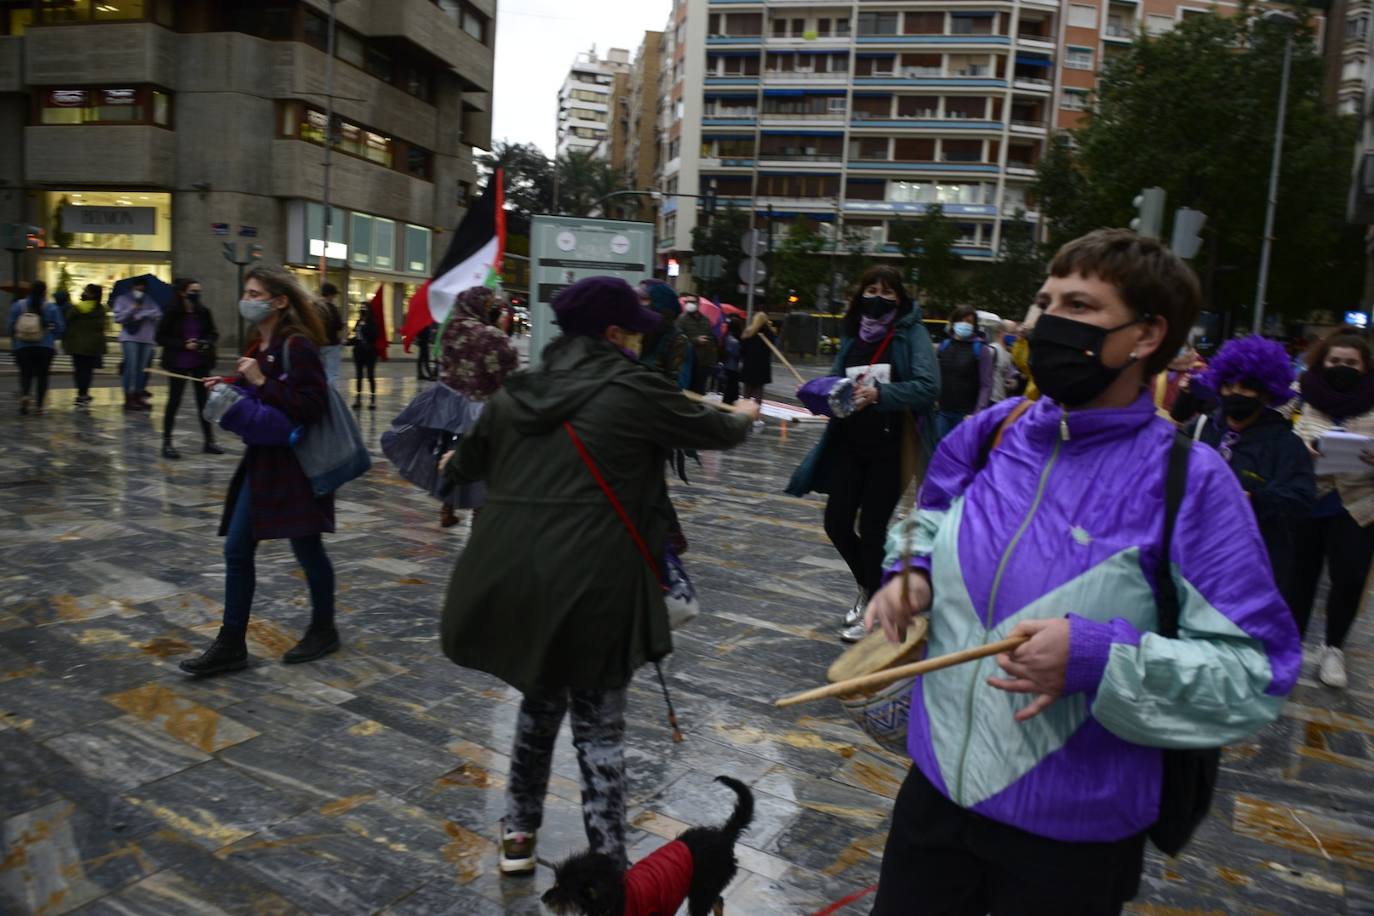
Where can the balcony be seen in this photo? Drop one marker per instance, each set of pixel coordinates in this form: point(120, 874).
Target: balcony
point(716, 41)
point(1120, 32)
point(766, 157)
point(803, 116)
point(426, 26)
point(1033, 127)
point(104, 53)
point(809, 77)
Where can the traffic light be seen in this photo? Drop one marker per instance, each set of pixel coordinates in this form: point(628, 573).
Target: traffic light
point(255, 252)
point(35, 237)
point(231, 252)
point(1149, 208)
point(1187, 224)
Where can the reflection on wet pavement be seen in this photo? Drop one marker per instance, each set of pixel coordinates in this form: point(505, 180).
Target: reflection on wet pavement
point(372, 780)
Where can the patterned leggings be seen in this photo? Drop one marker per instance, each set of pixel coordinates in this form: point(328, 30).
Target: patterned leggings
point(598, 727)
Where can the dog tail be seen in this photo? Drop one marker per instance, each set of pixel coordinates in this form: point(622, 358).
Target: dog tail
point(744, 809)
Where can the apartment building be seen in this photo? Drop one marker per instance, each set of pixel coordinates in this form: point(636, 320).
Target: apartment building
point(1347, 50)
point(584, 102)
point(636, 120)
point(857, 114)
point(146, 135)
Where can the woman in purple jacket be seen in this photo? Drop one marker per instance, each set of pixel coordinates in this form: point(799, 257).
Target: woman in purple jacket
point(270, 496)
point(1035, 785)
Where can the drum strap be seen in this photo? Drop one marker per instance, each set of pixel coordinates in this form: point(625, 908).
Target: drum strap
point(1012, 416)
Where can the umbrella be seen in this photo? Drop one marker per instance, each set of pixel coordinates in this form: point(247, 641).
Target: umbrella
point(159, 291)
point(718, 314)
point(424, 430)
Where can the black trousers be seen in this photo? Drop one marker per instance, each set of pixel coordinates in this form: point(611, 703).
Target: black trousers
point(83, 370)
point(1346, 549)
point(943, 860)
point(176, 387)
point(34, 365)
point(365, 363)
point(729, 386)
point(864, 486)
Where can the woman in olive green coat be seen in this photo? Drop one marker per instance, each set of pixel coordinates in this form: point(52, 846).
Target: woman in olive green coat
point(551, 594)
point(84, 341)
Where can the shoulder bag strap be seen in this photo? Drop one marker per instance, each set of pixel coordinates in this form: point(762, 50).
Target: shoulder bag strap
point(611, 498)
point(1175, 483)
point(1012, 416)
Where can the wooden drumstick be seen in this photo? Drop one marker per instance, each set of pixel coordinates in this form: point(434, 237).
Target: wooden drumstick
point(778, 354)
point(701, 399)
point(164, 372)
point(893, 675)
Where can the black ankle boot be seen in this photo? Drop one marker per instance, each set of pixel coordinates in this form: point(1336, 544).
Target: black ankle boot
point(358, 402)
point(372, 405)
point(169, 451)
point(210, 448)
point(229, 652)
point(318, 641)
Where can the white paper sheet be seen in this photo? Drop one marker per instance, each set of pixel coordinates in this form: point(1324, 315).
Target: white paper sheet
point(1340, 453)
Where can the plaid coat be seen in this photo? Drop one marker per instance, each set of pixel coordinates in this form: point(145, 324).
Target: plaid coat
point(283, 505)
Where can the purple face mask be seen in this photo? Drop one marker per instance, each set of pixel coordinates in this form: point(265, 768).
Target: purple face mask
point(872, 330)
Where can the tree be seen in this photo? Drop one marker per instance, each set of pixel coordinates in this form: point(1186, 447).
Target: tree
point(1193, 112)
point(800, 262)
point(936, 264)
point(1008, 285)
point(854, 258)
point(529, 176)
point(721, 236)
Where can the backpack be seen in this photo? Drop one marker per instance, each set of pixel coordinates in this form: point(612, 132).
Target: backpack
point(977, 347)
point(29, 327)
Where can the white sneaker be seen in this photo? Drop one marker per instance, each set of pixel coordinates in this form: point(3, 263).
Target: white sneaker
point(854, 633)
point(856, 613)
point(759, 424)
point(1331, 668)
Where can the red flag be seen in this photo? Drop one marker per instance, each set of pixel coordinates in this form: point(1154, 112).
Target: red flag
point(417, 316)
point(378, 309)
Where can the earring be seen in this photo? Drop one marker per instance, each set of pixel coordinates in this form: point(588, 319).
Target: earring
point(1134, 357)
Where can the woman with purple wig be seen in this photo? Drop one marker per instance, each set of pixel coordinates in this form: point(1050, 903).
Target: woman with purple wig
point(1249, 378)
point(1338, 391)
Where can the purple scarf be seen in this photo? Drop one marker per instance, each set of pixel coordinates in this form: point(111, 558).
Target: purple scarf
point(1338, 405)
point(872, 330)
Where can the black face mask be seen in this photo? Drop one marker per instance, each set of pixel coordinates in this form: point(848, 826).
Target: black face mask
point(1341, 378)
point(1240, 407)
point(194, 297)
point(877, 306)
point(1066, 359)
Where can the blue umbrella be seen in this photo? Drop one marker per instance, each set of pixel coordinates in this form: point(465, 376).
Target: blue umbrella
point(157, 290)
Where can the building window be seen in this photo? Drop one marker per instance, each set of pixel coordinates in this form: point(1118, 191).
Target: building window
point(1158, 25)
point(961, 150)
point(971, 24)
point(1356, 27)
point(113, 105)
point(1073, 100)
point(350, 48)
point(877, 23)
point(475, 24)
point(918, 106)
point(303, 122)
point(378, 63)
point(1078, 58)
point(913, 149)
point(148, 228)
point(417, 245)
point(1082, 17)
point(924, 24)
point(419, 162)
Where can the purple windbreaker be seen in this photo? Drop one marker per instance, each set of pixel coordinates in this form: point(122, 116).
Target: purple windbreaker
point(1066, 519)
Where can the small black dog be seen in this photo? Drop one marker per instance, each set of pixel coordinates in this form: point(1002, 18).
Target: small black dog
point(695, 867)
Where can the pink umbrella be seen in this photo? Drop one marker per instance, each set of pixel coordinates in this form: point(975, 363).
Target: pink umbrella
point(714, 314)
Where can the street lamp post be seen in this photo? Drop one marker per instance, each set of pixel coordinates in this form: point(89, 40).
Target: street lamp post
point(328, 140)
point(1278, 17)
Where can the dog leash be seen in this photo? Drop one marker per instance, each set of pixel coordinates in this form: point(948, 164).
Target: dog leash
point(842, 903)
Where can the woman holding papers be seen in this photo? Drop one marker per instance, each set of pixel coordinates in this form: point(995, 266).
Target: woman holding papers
point(1339, 393)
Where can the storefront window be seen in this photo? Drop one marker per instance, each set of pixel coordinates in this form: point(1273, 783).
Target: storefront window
point(377, 148)
point(417, 240)
point(383, 244)
point(109, 221)
point(362, 239)
point(72, 274)
point(114, 10)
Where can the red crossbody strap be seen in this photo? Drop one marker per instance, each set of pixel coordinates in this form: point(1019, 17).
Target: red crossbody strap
point(881, 347)
point(610, 496)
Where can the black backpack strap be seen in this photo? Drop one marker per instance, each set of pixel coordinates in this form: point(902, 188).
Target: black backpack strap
point(1175, 483)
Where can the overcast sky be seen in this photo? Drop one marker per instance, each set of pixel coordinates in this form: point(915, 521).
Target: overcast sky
point(536, 41)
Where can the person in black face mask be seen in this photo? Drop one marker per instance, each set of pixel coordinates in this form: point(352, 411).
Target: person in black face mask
point(1338, 391)
point(866, 460)
point(1250, 377)
point(187, 335)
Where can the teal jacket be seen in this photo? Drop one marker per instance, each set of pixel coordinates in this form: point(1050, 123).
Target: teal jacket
point(915, 387)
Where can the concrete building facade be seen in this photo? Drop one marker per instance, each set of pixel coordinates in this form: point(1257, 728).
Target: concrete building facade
point(155, 133)
point(584, 102)
point(636, 120)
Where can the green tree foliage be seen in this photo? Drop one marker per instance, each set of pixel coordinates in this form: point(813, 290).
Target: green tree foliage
point(1008, 285)
point(1193, 112)
point(529, 176)
point(936, 266)
point(801, 263)
point(854, 257)
point(721, 236)
point(582, 181)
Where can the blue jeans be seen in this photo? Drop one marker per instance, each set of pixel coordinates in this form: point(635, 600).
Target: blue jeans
point(946, 420)
point(240, 572)
point(137, 356)
point(332, 357)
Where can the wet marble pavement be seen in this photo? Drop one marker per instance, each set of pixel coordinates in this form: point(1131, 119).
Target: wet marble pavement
point(372, 781)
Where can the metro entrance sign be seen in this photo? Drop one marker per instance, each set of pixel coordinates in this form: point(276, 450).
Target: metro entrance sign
point(565, 249)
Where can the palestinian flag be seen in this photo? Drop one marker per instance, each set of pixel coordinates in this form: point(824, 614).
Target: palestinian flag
point(473, 259)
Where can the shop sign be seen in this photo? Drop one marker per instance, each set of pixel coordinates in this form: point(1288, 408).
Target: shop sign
point(219, 229)
point(67, 98)
point(338, 251)
point(119, 97)
point(110, 220)
point(248, 232)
